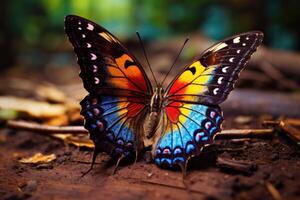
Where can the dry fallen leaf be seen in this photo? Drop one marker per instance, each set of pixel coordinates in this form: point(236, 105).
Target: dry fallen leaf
point(38, 158)
point(51, 93)
point(76, 140)
point(35, 109)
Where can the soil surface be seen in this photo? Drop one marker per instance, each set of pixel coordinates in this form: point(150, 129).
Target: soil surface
point(276, 164)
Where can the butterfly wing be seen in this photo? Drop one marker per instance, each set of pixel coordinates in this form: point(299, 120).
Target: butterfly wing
point(191, 113)
point(195, 127)
point(210, 78)
point(118, 87)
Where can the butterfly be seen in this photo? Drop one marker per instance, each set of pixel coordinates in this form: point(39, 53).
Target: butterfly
point(124, 113)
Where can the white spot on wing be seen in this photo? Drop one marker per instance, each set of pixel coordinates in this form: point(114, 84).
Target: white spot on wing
point(79, 28)
point(224, 69)
point(79, 23)
point(95, 68)
point(88, 45)
point(231, 59)
point(94, 57)
point(238, 51)
point(83, 36)
point(97, 81)
point(220, 80)
point(90, 27)
point(236, 40)
point(244, 44)
point(247, 38)
point(215, 91)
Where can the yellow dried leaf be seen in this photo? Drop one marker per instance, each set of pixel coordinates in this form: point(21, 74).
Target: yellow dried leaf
point(35, 109)
point(81, 143)
point(38, 158)
point(51, 93)
point(76, 140)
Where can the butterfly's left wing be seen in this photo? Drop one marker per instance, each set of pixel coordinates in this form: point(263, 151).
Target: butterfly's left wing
point(191, 114)
point(119, 90)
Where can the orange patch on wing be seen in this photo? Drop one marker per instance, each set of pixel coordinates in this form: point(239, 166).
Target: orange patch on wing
point(133, 73)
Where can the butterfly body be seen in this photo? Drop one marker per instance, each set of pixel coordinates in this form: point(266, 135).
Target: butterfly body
point(124, 114)
point(155, 109)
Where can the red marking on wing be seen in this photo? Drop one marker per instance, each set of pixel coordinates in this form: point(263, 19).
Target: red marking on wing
point(134, 109)
point(172, 111)
point(176, 86)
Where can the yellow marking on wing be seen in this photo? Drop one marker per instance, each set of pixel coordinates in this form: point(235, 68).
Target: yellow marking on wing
point(184, 112)
point(187, 76)
point(203, 79)
point(122, 105)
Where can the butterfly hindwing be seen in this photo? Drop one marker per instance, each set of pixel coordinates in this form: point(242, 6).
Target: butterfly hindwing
point(188, 128)
point(191, 113)
point(118, 87)
point(112, 123)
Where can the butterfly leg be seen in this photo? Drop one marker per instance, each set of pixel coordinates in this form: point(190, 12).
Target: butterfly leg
point(136, 157)
point(96, 152)
point(118, 162)
point(183, 171)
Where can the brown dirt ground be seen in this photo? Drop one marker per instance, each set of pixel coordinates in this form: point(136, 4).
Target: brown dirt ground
point(278, 163)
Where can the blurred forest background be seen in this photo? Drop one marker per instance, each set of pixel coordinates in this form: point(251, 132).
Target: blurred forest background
point(31, 29)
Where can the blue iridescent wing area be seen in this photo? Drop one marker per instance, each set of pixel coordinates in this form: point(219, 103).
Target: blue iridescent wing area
point(195, 128)
point(112, 123)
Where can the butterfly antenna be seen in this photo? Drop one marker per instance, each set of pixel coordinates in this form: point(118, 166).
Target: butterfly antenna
point(141, 42)
point(186, 40)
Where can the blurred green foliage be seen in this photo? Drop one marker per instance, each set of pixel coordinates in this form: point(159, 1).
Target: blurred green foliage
point(37, 25)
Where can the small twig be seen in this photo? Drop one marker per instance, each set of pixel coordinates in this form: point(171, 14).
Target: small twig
point(224, 134)
point(293, 122)
point(170, 186)
point(273, 191)
point(232, 149)
point(270, 123)
point(287, 127)
point(29, 126)
point(290, 121)
point(291, 132)
point(244, 167)
point(245, 133)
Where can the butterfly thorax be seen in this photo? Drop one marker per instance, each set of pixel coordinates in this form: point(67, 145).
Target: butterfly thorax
point(156, 99)
point(155, 108)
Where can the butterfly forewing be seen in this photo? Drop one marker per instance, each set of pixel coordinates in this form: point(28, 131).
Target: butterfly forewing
point(211, 77)
point(119, 90)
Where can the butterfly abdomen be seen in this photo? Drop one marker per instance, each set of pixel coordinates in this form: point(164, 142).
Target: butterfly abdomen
point(151, 124)
point(155, 107)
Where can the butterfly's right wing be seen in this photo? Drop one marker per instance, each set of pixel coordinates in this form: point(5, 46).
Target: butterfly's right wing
point(192, 116)
point(119, 90)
